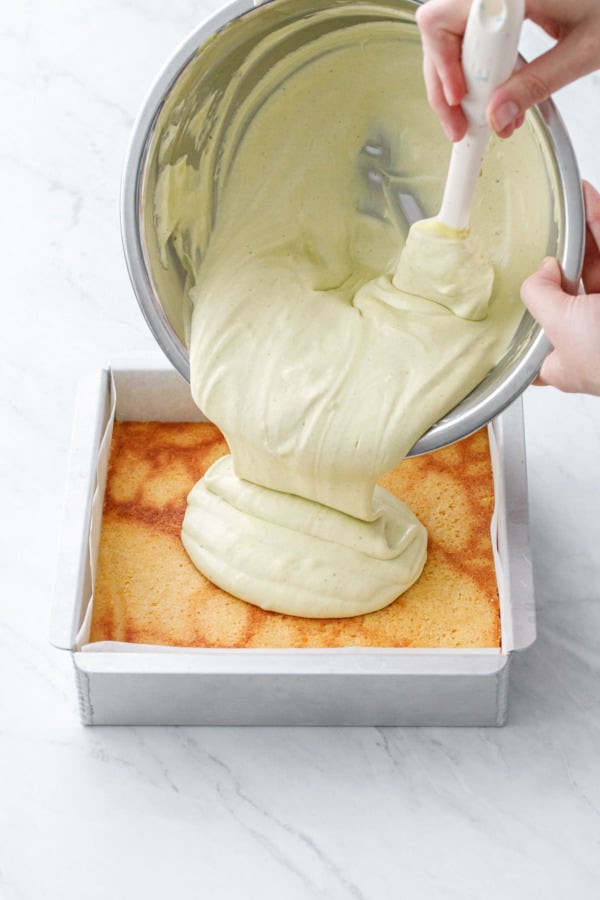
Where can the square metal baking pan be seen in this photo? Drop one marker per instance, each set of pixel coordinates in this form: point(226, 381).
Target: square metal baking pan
point(146, 685)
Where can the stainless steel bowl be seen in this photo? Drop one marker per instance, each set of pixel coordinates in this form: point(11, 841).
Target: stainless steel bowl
point(202, 67)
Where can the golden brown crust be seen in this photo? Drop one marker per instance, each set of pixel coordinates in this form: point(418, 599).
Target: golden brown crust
point(147, 590)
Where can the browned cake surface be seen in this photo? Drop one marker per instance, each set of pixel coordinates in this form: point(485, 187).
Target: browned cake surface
point(148, 591)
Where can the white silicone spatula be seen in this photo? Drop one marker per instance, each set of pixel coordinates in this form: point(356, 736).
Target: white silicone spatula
point(488, 57)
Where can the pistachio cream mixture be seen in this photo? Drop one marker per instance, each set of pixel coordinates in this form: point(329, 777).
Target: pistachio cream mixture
point(310, 347)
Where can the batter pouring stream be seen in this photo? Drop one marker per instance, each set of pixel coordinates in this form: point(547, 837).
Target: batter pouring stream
point(318, 369)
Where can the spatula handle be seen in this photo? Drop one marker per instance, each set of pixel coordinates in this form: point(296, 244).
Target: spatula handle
point(489, 53)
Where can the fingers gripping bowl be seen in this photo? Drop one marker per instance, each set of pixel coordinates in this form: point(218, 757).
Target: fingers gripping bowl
point(192, 114)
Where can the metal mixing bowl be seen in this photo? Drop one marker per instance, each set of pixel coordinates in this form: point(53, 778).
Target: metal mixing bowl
point(199, 70)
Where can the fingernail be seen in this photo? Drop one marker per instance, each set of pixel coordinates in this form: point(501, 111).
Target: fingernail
point(448, 131)
point(505, 115)
point(451, 96)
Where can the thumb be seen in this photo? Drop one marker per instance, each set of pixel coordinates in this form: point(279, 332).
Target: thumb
point(534, 82)
point(545, 299)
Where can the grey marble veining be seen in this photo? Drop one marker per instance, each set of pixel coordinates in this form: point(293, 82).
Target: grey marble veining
point(439, 814)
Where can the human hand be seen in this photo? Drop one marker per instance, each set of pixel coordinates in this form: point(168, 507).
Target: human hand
point(574, 26)
point(571, 323)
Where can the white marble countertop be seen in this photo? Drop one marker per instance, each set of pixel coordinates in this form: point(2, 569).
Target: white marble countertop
point(130, 812)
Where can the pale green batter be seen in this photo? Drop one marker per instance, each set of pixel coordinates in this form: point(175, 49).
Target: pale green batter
point(320, 372)
point(446, 266)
